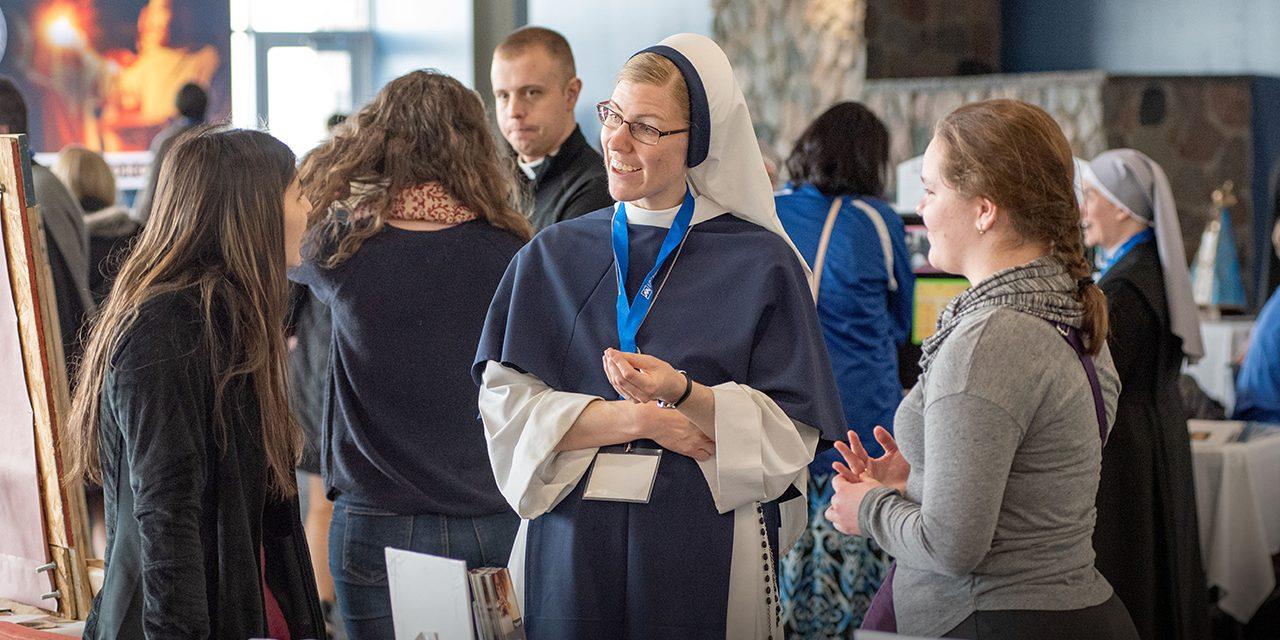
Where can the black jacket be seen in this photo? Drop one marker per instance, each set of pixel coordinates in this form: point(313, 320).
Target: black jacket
point(569, 184)
point(187, 517)
point(65, 240)
point(1146, 537)
point(311, 324)
point(111, 233)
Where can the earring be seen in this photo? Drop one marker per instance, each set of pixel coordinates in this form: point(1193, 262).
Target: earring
point(981, 230)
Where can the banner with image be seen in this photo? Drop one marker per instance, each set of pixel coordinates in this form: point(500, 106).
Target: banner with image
point(104, 73)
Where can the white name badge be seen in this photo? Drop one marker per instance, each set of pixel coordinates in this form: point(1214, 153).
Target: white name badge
point(623, 477)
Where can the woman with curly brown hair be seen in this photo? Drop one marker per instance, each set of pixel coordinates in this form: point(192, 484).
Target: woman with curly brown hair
point(412, 227)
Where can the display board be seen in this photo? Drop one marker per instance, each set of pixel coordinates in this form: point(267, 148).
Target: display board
point(42, 563)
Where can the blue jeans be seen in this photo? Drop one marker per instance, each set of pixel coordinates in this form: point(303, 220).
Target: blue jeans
point(359, 535)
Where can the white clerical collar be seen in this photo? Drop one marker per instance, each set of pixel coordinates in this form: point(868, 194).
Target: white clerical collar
point(529, 168)
point(703, 209)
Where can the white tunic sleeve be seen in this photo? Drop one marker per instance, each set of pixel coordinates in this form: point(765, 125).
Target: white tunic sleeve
point(524, 420)
point(759, 450)
point(759, 453)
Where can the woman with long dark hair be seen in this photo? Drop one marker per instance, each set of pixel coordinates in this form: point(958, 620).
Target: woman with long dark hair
point(181, 413)
point(412, 227)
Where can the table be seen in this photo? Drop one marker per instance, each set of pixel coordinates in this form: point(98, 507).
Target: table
point(1237, 487)
point(1225, 340)
point(13, 613)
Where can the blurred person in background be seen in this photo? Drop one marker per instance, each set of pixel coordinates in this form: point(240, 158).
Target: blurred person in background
point(535, 87)
point(1147, 537)
point(110, 227)
point(833, 210)
point(192, 102)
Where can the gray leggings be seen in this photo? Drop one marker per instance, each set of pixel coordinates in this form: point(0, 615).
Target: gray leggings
point(1107, 621)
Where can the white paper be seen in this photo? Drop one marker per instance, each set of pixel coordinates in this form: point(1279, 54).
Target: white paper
point(1213, 432)
point(429, 595)
point(881, 635)
point(622, 476)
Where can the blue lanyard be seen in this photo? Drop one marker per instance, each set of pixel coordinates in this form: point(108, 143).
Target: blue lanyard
point(1141, 237)
point(632, 314)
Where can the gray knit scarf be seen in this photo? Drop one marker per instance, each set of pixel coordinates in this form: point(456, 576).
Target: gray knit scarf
point(1042, 288)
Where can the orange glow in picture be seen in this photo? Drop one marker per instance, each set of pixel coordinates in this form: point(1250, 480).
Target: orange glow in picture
point(104, 73)
point(61, 25)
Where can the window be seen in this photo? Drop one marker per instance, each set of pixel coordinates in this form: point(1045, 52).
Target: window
point(296, 62)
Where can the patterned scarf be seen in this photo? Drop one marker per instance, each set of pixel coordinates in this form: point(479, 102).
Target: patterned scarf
point(428, 201)
point(1041, 288)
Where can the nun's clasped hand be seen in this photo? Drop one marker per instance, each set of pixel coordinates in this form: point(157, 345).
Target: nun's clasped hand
point(640, 378)
point(644, 380)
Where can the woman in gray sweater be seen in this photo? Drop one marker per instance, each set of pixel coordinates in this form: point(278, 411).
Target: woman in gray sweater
point(987, 503)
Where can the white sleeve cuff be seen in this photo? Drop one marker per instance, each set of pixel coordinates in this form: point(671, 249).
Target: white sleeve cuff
point(524, 420)
point(759, 450)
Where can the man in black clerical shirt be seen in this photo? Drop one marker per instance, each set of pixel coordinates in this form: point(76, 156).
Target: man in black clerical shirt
point(535, 88)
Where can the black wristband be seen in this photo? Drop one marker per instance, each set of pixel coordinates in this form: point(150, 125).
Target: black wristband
point(688, 389)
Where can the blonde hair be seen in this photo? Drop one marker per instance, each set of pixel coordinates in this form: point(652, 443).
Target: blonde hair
point(653, 69)
point(86, 174)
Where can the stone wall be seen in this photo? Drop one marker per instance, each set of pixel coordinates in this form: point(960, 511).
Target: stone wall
point(1197, 128)
point(793, 59)
point(796, 58)
point(932, 38)
point(910, 108)
point(1200, 131)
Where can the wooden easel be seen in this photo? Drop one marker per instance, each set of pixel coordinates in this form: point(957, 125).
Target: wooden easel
point(31, 282)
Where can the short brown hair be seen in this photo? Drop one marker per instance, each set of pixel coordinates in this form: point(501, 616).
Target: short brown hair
point(551, 41)
point(844, 151)
point(1016, 155)
point(86, 175)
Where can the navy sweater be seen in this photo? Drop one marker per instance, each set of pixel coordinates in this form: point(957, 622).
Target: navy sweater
point(402, 427)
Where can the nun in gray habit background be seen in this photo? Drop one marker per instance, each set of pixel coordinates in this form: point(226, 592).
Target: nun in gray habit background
point(1146, 536)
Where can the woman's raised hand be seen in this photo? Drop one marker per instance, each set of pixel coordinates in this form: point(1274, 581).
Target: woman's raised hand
point(890, 469)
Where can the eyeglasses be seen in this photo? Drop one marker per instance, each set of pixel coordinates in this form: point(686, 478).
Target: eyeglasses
point(640, 131)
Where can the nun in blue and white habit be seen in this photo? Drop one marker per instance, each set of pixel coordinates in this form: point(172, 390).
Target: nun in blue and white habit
point(653, 377)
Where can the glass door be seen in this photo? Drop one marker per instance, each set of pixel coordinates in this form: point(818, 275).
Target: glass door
point(303, 78)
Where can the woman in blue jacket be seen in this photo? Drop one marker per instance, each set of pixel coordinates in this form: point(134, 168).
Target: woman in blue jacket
point(863, 284)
